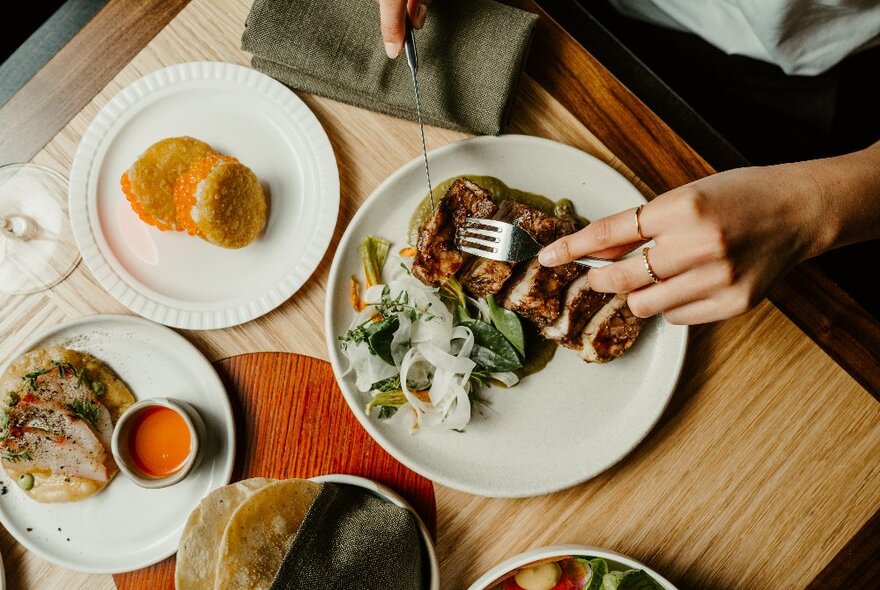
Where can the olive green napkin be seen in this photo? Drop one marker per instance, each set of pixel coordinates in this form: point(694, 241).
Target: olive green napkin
point(471, 55)
point(353, 539)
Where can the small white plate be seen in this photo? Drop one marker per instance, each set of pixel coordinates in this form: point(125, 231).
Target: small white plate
point(617, 561)
point(178, 280)
point(559, 427)
point(125, 527)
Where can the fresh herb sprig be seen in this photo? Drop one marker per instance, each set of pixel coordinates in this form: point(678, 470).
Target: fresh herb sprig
point(85, 409)
point(14, 456)
point(387, 307)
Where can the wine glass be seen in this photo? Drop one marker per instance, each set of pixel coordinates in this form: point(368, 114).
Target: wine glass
point(37, 248)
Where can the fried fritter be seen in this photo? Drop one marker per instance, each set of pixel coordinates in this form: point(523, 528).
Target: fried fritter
point(220, 200)
point(149, 183)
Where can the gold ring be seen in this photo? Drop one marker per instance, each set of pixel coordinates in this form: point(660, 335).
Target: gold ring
point(648, 268)
point(639, 223)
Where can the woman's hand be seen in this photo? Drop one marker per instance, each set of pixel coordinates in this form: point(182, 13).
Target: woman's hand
point(720, 242)
point(394, 14)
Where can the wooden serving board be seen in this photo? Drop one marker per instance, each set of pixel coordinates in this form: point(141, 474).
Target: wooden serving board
point(292, 421)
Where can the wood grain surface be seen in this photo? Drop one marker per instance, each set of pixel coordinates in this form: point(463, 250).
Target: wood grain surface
point(292, 421)
point(657, 155)
point(61, 88)
point(763, 468)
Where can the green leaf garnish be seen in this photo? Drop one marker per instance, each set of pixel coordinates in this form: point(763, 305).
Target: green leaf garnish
point(508, 324)
point(492, 351)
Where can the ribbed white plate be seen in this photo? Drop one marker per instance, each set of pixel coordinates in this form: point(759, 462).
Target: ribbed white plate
point(561, 426)
point(126, 527)
point(178, 280)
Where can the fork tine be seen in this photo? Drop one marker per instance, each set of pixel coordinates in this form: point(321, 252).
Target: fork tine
point(466, 232)
point(482, 253)
point(491, 224)
point(493, 244)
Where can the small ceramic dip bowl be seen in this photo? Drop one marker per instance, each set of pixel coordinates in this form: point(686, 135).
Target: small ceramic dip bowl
point(157, 442)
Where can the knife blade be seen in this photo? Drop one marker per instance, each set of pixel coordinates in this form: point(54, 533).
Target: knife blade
point(413, 60)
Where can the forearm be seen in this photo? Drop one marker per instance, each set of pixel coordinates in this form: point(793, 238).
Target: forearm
point(848, 192)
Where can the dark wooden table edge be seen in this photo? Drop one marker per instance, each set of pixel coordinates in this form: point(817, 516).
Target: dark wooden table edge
point(845, 331)
point(807, 296)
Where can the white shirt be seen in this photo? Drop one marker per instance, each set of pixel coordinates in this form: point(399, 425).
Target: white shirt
point(804, 37)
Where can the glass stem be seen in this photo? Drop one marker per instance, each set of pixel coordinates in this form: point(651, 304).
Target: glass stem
point(14, 227)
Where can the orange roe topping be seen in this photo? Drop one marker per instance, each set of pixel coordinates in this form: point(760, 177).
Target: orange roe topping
point(185, 190)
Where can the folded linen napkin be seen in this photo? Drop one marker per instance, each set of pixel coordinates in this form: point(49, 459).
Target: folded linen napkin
point(353, 539)
point(471, 55)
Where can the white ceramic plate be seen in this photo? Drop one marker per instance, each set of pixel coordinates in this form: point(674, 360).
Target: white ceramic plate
point(561, 426)
point(178, 280)
point(126, 527)
point(616, 561)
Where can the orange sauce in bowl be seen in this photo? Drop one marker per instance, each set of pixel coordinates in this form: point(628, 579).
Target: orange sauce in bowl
point(159, 441)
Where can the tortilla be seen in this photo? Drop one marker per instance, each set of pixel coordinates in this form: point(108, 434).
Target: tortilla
point(116, 397)
point(260, 533)
point(200, 542)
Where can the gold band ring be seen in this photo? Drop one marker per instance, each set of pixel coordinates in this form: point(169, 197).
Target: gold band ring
point(648, 268)
point(639, 223)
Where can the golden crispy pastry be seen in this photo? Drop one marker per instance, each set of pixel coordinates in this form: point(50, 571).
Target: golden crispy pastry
point(149, 183)
point(220, 200)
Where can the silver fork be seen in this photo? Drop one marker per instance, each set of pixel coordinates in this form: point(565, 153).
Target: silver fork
point(505, 242)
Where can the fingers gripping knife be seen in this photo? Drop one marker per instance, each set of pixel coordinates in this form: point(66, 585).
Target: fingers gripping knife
point(413, 61)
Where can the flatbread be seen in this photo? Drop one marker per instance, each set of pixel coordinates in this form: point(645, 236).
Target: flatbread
point(260, 533)
point(200, 542)
point(52, 487)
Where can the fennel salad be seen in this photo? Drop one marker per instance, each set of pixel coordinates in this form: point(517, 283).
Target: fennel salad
point(425, 355)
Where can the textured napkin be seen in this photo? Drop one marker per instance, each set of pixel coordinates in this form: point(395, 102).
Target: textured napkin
point(471, 54)
point(352, 539)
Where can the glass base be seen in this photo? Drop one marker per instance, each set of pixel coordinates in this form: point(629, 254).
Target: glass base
point(37, 247)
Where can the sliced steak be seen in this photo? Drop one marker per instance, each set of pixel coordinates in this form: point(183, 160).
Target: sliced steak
point(579, 305)
point(535, 291)
point(610, 332)
point(437, 257)
point(482, 276)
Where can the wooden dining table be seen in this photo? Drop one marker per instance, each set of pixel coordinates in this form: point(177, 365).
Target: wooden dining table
point(764, 471)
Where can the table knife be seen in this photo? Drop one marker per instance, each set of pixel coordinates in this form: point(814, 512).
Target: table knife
point(413, 61)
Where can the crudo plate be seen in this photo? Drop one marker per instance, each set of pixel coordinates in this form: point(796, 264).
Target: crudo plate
point(559, 427)
point(178, 280)
point(125, 527)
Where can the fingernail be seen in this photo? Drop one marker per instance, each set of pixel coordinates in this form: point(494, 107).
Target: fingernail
point(419, 17)
point(549, 256)
point(392, 49)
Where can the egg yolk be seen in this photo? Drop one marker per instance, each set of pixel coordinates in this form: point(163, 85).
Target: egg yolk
point(159, 441)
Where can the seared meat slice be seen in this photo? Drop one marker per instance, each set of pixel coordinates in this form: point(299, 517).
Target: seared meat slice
point(437, 257)
point(482, 276)
point(610, 332)
point(534, 292)
point(46, 436)
point(580, 303)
